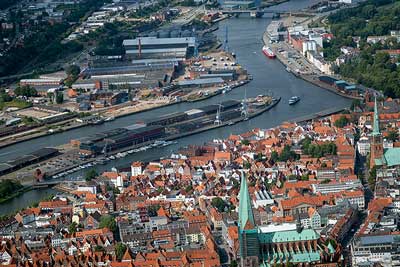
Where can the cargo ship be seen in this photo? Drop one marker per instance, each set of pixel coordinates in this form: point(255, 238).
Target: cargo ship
point(267, 51)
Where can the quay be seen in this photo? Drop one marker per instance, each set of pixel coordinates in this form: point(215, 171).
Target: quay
point(226, 123)
point(311, 78)
point(73, 158)
point(24, 136)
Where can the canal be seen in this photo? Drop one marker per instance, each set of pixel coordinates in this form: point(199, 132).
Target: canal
point(268, 75)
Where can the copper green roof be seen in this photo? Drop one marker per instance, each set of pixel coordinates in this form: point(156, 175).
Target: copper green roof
point(380, 162)
point(375, 129)
point(331, 248)
point(288, 236)
point(305, 257)
point(295, 258)
point(392, 156)
point(245, 210)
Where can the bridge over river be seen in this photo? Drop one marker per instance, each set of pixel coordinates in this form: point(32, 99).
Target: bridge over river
point(65, 183)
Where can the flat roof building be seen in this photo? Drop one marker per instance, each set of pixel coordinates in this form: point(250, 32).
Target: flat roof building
point(152, 47)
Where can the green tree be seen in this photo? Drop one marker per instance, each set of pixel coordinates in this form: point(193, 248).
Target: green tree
point(188, 188)
point(393, 136)
point(288, 154)
point(25, 90)
point(246, 165)
point(59, 98)
point(73, 70)
point(372, 178)
point(233, 263)
point(355, 103)
point(108, 221)
point(341, 122)
point(316, 150)
point(274, 156)
point(245, 142)
point(4, 96)
point(326, 181)
point(9, 187)
point(152, 210)
point(90, 175)
point(372, 67)
point(218, 203)
point(120, 249)
point(99, 248)
point(72, 228)
point(305, 177)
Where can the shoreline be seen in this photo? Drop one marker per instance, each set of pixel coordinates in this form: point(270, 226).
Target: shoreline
point(306, 78)
point(273, 3)
point(16, 194)
point(166, 138)
point(43, 134)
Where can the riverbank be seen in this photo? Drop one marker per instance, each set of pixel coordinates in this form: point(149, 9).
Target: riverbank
point(272, 3)
point(310, 78)
point(71, 161)
point(116, 116)
point(16, 194)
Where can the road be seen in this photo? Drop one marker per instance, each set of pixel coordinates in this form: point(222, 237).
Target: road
point(188, 16)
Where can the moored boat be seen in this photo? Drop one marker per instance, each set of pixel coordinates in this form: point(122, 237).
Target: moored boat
point(267, 51)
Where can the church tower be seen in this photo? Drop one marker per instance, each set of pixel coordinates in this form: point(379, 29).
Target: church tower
point(377, 141)
point(248, 233)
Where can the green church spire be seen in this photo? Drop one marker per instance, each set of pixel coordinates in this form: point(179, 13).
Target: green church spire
point(246, 217)
point(375, 130)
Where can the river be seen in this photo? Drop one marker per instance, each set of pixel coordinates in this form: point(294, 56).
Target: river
point(268, 75)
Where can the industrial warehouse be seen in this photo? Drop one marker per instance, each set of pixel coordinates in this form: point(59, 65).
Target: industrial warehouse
point(117, 139)
point(151, 47)
point(171, 126)
point(341, 85)
point(149, 62)
point(146, 130)
point(26, 160)
point(139, 74)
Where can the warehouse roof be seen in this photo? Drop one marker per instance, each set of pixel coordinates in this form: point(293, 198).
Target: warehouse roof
point(209, 75)
point(169, 116)
point(134, 126)
point(159, 41)
point(44, 152)
point(193, 112)
point(158, 50)
point(201, 81)
point(36, 155)
point(133, 132)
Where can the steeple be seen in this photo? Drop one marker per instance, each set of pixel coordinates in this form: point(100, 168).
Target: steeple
point(246, 217)
point(377, 151)
point(375, 130)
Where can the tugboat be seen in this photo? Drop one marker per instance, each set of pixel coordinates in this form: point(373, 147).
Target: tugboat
point(293, 100)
